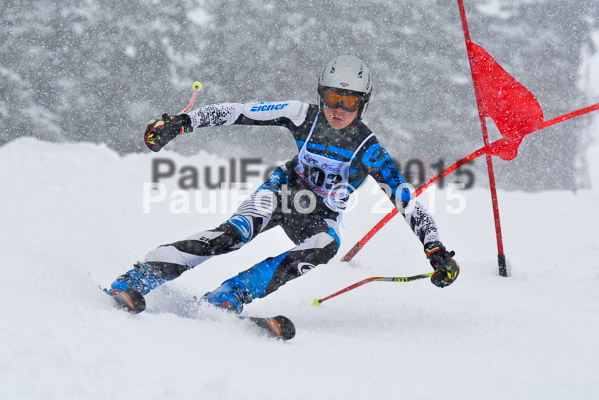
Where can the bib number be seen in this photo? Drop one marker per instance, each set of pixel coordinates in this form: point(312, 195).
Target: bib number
point(320, 178)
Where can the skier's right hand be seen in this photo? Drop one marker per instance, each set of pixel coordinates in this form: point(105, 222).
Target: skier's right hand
point(159, 133)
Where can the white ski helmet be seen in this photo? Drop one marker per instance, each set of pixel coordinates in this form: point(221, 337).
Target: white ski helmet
point(347, 75)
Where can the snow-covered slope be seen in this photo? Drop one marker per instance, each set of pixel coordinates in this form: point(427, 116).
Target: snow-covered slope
point(72, 219)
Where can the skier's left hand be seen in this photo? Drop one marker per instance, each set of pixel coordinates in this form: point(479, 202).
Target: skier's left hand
point(446, 268)
point(159, 133)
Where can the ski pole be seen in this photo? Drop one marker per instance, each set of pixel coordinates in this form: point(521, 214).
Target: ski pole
point(318, 301)
point(197, 86)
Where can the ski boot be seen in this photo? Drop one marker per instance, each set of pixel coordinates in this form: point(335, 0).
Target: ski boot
point(230, 296)
point(233, 294)
point(128, 290)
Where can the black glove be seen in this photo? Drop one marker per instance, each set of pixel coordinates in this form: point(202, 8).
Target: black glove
point(446, 268)
point(159, 133)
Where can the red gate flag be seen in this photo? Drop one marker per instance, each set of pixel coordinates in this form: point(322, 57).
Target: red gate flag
point(514, 109)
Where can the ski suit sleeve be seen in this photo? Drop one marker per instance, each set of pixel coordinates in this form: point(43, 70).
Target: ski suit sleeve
point(278, 113)
point(381, 167)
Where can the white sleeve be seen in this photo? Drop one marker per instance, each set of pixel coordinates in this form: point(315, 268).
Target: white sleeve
point(422, 223)
point(215, 114)
point(227, 113)
point(293, 110)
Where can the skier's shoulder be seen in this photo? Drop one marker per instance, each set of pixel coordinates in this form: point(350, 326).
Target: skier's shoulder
point(371, 151)
point(364, 135)
point(364, 129)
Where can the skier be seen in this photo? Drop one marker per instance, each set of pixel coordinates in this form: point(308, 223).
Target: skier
point(306, 196)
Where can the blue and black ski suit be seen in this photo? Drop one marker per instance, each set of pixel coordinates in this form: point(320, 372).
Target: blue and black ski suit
point(305, 197)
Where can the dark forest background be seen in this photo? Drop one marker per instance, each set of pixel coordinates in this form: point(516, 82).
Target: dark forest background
point(97, 71)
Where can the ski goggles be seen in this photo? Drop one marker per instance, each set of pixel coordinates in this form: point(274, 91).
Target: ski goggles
point(348, 102)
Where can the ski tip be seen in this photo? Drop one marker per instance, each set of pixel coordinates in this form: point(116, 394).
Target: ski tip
point(197, 85)
point(316, 302)
point(286, 328)
point(129, 299)
point(279, 327)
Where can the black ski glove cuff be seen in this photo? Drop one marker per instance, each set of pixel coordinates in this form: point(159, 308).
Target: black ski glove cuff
point(446, 268)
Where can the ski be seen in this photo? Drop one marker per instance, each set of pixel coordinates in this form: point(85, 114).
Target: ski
point(279, 327)
point(129, 300)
